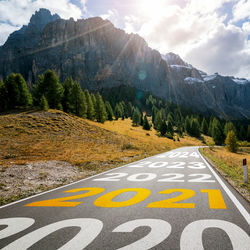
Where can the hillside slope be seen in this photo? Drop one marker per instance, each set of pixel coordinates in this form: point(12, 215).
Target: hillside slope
point(41, 150)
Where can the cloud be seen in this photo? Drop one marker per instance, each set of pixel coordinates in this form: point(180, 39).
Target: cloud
point(15, 13)
point(206, 6)
point(6, 29)
point(226, 50)
point(197, 33)
point(178, 30)
point(241, 10)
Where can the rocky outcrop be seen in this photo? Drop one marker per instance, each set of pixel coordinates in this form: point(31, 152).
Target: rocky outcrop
point(99, 56)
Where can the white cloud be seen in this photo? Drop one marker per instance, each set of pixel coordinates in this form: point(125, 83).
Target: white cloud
point(16, 13)
point(226, 50)
point(197, 33)
point(206, 6)
point(6, 29)
point(241, 10)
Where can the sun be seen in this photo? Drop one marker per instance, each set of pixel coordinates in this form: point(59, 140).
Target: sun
point(153, 8)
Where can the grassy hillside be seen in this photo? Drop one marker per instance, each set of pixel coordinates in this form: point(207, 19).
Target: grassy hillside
point(230, 166)
point(55, 135)
point(41, 150)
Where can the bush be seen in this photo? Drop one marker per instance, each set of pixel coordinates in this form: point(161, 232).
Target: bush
point(44, 104)
point(231, 142)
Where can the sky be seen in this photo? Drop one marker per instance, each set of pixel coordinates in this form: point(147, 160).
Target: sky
point(212, 35)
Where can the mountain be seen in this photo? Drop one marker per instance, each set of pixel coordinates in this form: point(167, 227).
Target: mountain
point(101, 56)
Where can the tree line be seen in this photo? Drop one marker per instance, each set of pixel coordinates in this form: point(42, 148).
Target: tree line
point(114, 103)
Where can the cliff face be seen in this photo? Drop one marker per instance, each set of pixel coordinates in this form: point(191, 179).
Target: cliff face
point(98, 55)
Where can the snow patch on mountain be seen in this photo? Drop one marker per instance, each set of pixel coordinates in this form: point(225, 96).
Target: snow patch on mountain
point(209, 78)
point(179, 67)
point(192, 80)
point(240, 80)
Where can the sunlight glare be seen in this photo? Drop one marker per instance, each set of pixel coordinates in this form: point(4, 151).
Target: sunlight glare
point(153, 8)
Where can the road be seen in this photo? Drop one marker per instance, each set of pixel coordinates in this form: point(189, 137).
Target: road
point(174, 200)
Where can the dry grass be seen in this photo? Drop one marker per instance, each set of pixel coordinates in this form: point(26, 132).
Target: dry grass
point(230, 166)
point(55, 135)
point(38, 137)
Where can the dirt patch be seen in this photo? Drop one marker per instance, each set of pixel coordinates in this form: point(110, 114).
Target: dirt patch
point(18, 181)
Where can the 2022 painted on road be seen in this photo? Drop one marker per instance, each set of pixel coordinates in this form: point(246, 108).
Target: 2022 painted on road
point(170, 201)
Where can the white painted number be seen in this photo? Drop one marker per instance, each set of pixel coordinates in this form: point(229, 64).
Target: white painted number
point(90, 229)
point(184, 155)
point(173, 155)
point(177, 165)
point(194, 154)
point(137, 177)
point(196, 165)
point(160, 230)
point(15, 225)
point(202, 178)
point(114, 177)
point(191, 238)
point(174, 178)
point(158, 164)
point(140, 164)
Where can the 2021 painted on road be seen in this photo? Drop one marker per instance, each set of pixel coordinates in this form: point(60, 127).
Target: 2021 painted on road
point(170, 201)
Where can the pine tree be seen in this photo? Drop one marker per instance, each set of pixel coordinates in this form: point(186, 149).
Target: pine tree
point(170, 128)
point(101, 114)
point(109, 110)
point(228, 127)
point(242, 133)
point(44, 104)
point(90, 106)
point(118, 111)
point(146, 124)
point(187, 125)
point(210, 127)
point(17, 90)
point(13, 92)
point(79, 102)
point(180, 130)
point(204, 127)
point(154, 112)
point(231, 142)
point(3, 96)
point(248, 133)
point(195, 128)
point(49, 86)
point(122, 109)
point(158, 121)
point(136, 117)
point(25, 96)
point(93, 98)
point(68, 99)
point(141, 119)
point(125, 110)
point(170, 118)
point(163, 128)
point(130, 109)
point(217, 132)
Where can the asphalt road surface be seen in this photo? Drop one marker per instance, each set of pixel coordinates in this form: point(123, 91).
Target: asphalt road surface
point(174, 200)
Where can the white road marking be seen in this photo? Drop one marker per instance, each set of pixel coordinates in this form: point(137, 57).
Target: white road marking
point(242, 210)
point(191, 237)
point(70, 184)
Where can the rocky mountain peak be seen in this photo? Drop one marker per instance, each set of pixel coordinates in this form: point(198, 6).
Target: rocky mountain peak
point(41, 18)
point(174, 59)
